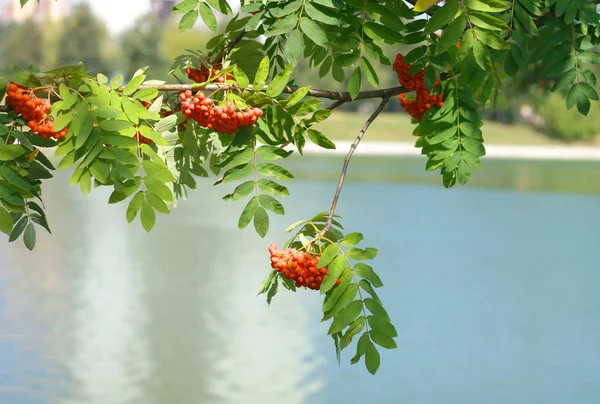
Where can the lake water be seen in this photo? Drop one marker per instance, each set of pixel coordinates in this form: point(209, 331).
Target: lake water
point(494, 289)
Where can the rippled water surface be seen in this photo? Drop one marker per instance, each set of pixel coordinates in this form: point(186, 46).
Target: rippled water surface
point(494, 289)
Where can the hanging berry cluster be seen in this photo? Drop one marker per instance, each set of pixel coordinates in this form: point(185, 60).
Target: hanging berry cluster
point(34, 110)
point(201, 75)
point(416, 82)
point(300, 267)
point(221, 119)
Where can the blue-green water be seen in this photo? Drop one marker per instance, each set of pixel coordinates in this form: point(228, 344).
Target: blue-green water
point(494, 289)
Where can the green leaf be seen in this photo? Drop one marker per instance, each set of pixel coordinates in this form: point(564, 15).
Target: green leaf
point(159, 189)
point(6, 221)
point(314, 32)
point(376, 308)
point(208, 17)
point(10, 195)
point(367, 287)
point(490, 6)
point(351, 239)
point(365, 271)
point(589, 57)
point(240, 191)
point(261, 221)
point(270, 203)
point(382, 33)
point(355, 83)
point(237, 173)
point(487, 21)
point(344, 297)
point(565, 80)
point(14, 178)
point(133, 84)
point(274, 170)
point(346, 316)
point(248, 213)
point(272, 187)
point(272, 153)
point(157, 171)
point(442, 17)
point(185, 6)
point(319, 139)
point(115, 125)
point(372, 359)
point(261, 74)
point(157, 203)
point(188, 20)
point(85, 183)
point(240, 77)
point(335, 268)
point(134, 206)
point(11, 151)
point(491, 39)
point(147, 216)
point(297, 96)
point(294, 47)
point(305, 107)
point(330, 252)
point(279, 82)
point(463, 172)
point(130, 110)
point(451, 34)
point(367, 254)
point(382, 340)
point(482, 55)
point(383, 326)
point(18, 229)
point(220, 5)
point(321, 14)
point(29, 237)
point(354, 329)
point(369, 71)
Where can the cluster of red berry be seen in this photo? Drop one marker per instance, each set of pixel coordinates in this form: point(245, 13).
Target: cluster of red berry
point(34, 110)
point(201, 75)
point(300, 267)
point(221, 119)
point(416, 82)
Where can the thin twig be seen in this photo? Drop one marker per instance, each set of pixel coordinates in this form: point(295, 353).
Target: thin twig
point(353, 146)
point(229, 47)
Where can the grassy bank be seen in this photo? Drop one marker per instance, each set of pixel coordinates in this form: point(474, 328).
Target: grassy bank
point(397, 127)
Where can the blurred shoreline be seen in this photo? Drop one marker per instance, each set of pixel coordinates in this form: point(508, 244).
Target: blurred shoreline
point(525, 152)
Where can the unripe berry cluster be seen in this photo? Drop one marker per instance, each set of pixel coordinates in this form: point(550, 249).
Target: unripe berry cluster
point(34, 110)
point(201, 75)
point(416, 82)
point(300, 267)
point(221, 119)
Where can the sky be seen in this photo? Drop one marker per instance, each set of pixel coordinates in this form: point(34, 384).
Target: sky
point(119, 14)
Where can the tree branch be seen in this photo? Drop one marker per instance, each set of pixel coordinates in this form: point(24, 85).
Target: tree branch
point(385, 98)
point(332, 95)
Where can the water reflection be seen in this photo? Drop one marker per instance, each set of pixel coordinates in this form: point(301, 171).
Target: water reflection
point(110, 314)
point(504, 311)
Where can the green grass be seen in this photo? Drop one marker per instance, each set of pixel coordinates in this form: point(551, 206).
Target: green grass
point(397, 127)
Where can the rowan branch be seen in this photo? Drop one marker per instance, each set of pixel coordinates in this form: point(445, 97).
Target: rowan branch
point(340, 96)
point(385, 98)
point(328, 94)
